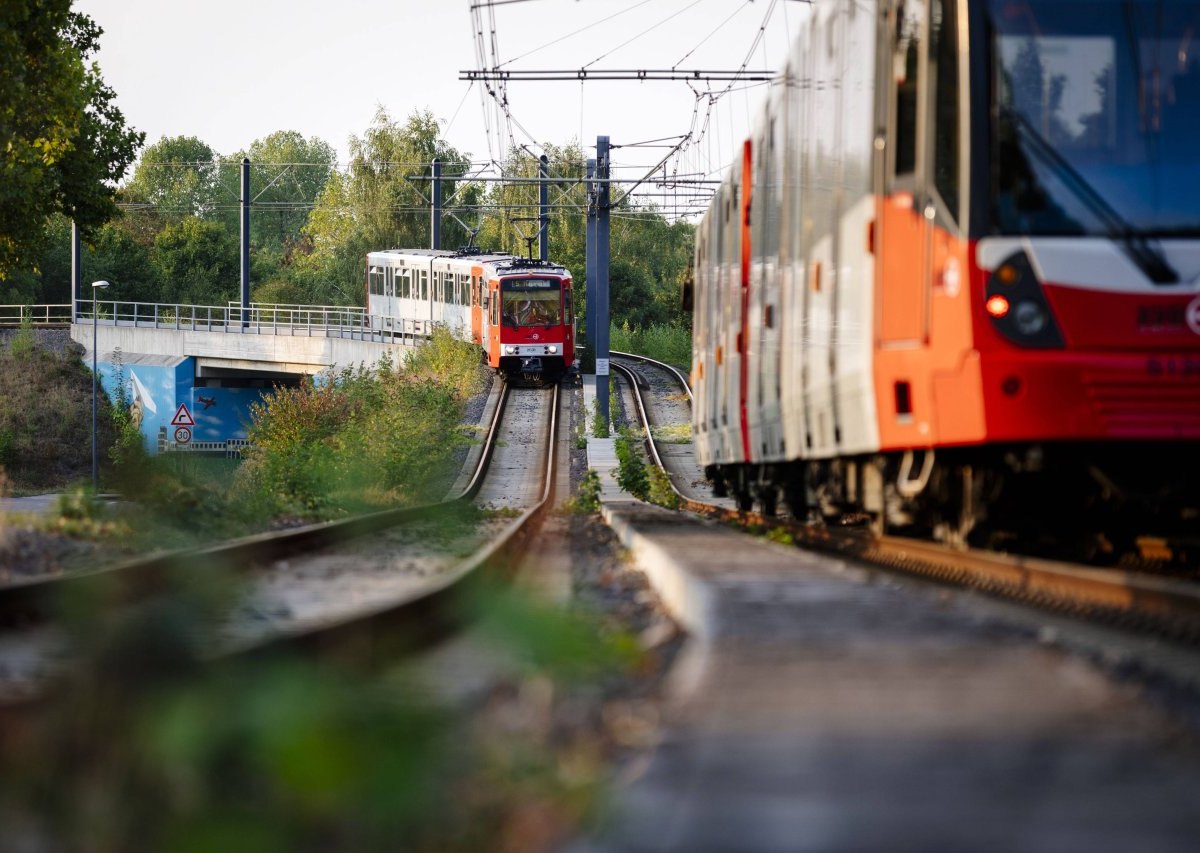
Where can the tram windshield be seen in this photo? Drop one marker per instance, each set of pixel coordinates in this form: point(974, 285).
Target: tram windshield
point(531, 302)
point(1095, 117)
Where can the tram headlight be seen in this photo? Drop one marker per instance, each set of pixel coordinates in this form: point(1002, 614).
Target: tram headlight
point(510, 350)
point(1018, 307)
point(1028, 317)
point(552, 349)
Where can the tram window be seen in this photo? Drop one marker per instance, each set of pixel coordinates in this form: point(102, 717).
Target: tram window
point(906, 71)
point(375, 280)
point(405, 284)
point(943, 33)
point(424, 285)
point(389, 285)
point(568, 315)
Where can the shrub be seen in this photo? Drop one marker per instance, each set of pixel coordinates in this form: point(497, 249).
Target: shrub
point(599, 423)
point(587, 498)
point(46, 418)
point(668, 343)
point(631, 470)
point(660, 491)
point(361, 438)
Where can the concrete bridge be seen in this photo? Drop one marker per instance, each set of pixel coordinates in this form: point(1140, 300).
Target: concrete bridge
point(214, 361)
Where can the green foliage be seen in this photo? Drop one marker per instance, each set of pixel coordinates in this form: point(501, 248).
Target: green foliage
point(152, 745)
point(180, 177)
point(65, 143)
point(80, 515)
point(376, 205)
point(23, 343)
point(666, 342)
point(587, 499)
point(660, 491)
point(360, 438)
point(287, 173)
point(198, 262)
point(114, 254)
point(128, 450)
point(780, 535)
point(45, 416)
point(631, 470)
point(599, 422)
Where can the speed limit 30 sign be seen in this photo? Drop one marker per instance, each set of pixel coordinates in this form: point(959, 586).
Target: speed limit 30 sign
point(183, 435)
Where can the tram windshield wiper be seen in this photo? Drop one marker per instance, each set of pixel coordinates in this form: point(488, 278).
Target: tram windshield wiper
point(1137, 244)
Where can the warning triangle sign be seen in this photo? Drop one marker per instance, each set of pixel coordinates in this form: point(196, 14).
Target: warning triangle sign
point(183, 417)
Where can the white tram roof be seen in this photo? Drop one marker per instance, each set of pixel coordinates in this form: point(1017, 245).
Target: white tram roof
point(501, 262)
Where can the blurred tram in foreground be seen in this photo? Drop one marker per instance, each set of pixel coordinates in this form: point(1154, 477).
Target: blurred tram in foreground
point(518, 310)
point(954, 280)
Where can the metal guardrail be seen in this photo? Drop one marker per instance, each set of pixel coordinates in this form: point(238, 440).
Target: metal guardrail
point(259, 319)
point(13, 316)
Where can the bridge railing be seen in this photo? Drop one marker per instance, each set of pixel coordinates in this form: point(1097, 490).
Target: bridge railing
point(35, 315)
point(258, 319)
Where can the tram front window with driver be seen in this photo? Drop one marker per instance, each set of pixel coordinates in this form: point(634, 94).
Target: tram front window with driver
point(1095, 110)
point(531, 302)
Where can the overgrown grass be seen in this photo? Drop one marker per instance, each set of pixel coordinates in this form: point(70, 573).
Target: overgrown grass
point(631, 470)
point(672, 344)
point(45, 416)
point(587, 497)
point(360, 439)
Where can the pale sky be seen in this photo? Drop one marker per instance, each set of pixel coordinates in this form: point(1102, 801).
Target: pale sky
point(232, 72)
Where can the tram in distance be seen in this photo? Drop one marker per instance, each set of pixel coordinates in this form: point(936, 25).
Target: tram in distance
point(519, 311)
point(953, 283)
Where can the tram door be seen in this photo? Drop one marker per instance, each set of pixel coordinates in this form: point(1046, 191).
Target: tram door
point(477, 305)
point(903, 224)
point(493, 329)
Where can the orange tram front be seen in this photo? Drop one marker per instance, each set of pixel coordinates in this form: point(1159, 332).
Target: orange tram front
point(519, 311)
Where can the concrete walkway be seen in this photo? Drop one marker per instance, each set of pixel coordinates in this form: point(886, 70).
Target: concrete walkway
point(823, 707)
point(31, 505)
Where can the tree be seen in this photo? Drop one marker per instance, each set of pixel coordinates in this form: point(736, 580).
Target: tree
point(64, 142)
point(287, 174)
point(198, 262)
point(114, 255)
point(178, 177)
point(379, 205)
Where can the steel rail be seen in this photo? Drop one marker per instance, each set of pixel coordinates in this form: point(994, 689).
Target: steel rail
point(439, 608)
point(383, 631)
point(678, 374)
point(1162, 605)
point(141, 577)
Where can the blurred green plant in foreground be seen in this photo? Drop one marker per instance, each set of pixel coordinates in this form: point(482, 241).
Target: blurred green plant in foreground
point(153, 745)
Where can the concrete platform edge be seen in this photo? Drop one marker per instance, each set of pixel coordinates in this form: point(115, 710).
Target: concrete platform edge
point(686, 597)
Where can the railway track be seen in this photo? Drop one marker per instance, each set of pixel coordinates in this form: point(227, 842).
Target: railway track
point(357, 563)
point(1161, 605)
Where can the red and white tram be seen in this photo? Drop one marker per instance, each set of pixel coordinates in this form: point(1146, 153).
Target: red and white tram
point(956, 273)
point(518, 310)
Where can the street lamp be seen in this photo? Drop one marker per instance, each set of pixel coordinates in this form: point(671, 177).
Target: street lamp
point(96, 285)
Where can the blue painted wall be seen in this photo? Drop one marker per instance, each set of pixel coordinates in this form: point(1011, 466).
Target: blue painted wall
point(154, 388)
point(222, 413)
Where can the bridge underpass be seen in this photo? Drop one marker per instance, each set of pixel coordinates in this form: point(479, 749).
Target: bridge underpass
point(210, 364)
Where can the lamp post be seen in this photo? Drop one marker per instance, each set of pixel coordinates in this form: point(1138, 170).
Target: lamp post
point(96, 285)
